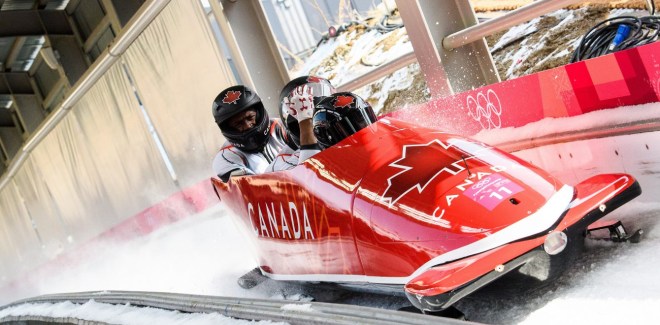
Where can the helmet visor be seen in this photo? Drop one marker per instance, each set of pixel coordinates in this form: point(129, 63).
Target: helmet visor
point(356, 120)
point(337, 129)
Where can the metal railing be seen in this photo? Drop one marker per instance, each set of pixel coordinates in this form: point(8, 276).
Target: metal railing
point(512, 18)
point(463, 37)
point(134, 28)
point(245, 308)
point(380, 72)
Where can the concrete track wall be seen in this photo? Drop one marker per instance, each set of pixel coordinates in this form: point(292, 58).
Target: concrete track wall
point(132, 154)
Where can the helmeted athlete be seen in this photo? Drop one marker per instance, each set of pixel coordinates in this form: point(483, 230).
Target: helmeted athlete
point(339, 116)
point(297, 101)
point(253, 139)
point(336, 117)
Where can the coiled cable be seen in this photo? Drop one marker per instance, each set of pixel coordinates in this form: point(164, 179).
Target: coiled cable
point(615, 34)
point(384, 26)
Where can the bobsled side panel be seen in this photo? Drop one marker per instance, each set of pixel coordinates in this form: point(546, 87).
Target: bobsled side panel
point(297, 222)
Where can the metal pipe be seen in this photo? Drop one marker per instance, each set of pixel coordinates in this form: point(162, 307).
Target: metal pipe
point(609, 131)
point(13, 168)
point(91, 76)
point(140, 21)
point(382, 71)
point(246, 308)
point(128, 35)
point(50, 123)
point(512, 18)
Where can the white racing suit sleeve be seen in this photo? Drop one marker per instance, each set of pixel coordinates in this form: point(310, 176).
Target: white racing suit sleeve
point(230, 162)
point(286, 159)
point(306, 153)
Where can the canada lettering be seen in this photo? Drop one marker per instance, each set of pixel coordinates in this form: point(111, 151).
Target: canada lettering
point(272, 220)
point(439, 211)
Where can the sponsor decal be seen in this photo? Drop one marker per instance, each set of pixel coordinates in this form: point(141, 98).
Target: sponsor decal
point(485, 109)
point(489, 198)
point(283, 220)
point(231, 97)
point(492, 190)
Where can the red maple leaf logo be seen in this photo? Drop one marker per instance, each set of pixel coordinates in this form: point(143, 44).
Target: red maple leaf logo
point(231, 97)
point(313, 79)
point(343, 101)
point(420, 164)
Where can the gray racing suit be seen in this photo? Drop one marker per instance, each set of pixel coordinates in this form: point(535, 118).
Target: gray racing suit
point(231, 161)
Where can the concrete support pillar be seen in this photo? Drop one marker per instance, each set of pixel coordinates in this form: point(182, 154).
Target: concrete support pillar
point(249, 36)
point(124, 9)
point(70, 55)
point(446, 71)
point(10, 141)
point(29, 111)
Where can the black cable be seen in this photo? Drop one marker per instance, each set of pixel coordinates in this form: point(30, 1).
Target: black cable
point(384, 26)
point(600, 39)
point(338, 31)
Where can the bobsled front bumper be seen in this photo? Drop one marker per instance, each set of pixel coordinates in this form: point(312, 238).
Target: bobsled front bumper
point(441, 286)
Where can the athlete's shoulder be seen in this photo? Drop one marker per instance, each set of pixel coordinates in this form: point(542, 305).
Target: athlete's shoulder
point(230, 154)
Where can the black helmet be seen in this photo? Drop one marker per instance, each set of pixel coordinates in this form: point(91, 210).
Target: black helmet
point(234, 100)
point(340, 115)
point(321, 87)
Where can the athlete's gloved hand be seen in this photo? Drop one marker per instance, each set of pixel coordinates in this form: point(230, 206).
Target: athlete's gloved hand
point(301, 103)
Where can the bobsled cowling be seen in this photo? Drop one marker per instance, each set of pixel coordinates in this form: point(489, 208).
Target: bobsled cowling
point(441, 286)
point(399, 204)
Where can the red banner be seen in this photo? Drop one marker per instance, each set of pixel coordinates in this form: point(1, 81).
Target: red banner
point(624, 78)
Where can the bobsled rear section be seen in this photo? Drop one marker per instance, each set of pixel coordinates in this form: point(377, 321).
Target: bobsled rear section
point(441, 197)
point(539, 259)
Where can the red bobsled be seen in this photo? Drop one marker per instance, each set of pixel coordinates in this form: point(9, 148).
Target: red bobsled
point(409, 208)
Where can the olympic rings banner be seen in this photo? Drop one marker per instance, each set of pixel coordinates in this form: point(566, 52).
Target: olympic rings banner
point(629, 77)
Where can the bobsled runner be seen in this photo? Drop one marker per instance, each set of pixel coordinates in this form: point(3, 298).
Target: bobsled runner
point(405, 208)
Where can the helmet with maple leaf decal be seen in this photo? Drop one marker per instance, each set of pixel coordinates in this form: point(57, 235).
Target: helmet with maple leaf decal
point(237, 99)
point(320, 88)
point(340, 115)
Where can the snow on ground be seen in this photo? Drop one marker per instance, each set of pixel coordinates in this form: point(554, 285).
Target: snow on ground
point(628, 115)
point(196, 255)
point(121, 314)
